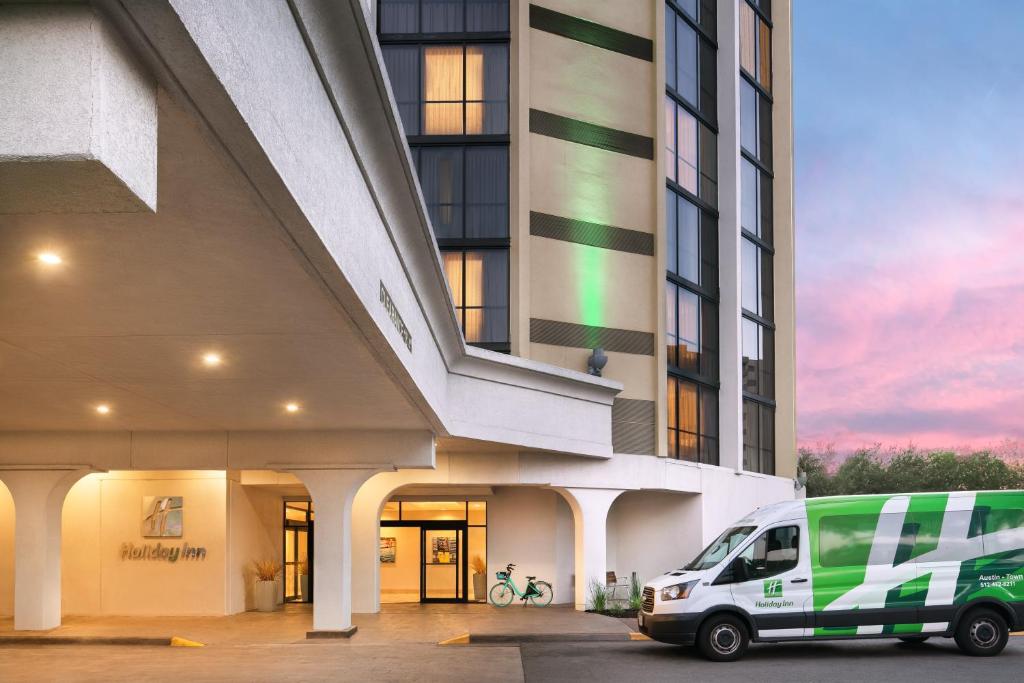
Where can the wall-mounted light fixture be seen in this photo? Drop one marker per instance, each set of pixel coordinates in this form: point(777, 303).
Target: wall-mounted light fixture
point(596, 362)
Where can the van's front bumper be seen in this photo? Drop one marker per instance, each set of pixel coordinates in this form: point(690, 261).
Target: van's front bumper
point(678, 629)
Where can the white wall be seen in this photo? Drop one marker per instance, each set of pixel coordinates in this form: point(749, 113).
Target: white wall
point(102, 511)
point(728, 497)
point(532, 528)
point(650, 532)
point(6, 552)
point(254, 533)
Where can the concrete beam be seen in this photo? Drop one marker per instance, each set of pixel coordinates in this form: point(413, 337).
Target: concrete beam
point(78, 117)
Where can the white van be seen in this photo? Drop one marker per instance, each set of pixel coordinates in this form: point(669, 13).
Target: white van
point(906, 566)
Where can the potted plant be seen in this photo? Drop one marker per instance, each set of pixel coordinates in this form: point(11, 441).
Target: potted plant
point(265, 588)
point(479, 578)
point(304, 581)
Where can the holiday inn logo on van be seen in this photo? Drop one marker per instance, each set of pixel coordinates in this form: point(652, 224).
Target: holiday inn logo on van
point(906, 566)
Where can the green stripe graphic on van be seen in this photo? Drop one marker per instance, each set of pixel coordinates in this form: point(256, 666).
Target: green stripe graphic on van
point(909, 551)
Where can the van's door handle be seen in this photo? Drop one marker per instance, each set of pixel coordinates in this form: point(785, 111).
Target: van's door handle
point(799, 581)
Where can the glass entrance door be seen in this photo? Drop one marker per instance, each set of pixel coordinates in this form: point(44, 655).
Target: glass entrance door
point(298, 551)
point(443, 569)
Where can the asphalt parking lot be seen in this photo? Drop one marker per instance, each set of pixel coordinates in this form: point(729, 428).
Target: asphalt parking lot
point(863, 661)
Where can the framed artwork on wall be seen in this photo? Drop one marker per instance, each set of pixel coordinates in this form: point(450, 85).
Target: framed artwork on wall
point(388, 548)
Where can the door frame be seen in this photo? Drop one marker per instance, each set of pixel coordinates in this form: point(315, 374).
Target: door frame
point(460, 525)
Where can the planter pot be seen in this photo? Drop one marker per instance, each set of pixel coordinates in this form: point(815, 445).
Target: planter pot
point(480, 587)
point(265, 596)
point(304, 587)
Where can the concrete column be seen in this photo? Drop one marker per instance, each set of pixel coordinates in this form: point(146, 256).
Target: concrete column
point(730, 394)
point(366, 542)
point(38, 501)
point(590, 516)
point(333, 491)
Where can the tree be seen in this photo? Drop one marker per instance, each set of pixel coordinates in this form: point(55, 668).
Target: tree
point(907, 471)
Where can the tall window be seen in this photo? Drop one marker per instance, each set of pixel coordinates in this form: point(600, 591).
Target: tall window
point(756, 248)
point(691, 247)
point(447, 61)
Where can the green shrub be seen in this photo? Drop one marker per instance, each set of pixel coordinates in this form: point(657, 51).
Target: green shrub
point(598, 596)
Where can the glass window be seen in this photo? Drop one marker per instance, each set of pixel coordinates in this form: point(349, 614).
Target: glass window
point(692, 332)
point(487, 192)
point(755, 46)
point(432, 510)
point(750, 276)
point(758, 359)
point(486, 15)
point(774, 552)
point(403, 66)
point(720, 548)
point(758, 437)
point(466, 190)
point(764, 56)
point(748, 38)
point(399, 16)
point(686, 61)
point(460, 90)
point(670, 47)
point(683, 223)
point(692, 421)
point(441, 179)
point(479, 283)
point(748, 117)
point(442, 16)
point(681, 137)
point(750, 219)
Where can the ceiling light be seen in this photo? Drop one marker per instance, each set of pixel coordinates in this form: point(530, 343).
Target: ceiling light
point(211, 359)
point(50, 258)
point(291, 407)
point(103, 409)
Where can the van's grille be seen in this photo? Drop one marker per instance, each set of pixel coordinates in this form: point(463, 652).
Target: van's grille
point(648, 605)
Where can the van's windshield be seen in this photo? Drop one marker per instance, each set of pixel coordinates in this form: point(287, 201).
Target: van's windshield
point(720, 547)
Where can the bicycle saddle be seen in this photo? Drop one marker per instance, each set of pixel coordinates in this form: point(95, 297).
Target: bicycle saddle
point(531, 578)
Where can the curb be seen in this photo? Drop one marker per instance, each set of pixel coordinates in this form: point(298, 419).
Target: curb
point(525, 638)
point(84, 640)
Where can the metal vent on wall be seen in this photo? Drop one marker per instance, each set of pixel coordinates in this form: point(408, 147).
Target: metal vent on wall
point(559, 333)
point(633, 426)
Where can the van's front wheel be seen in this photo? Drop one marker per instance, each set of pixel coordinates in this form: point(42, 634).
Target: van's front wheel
point(982, 633)
point(723, 638)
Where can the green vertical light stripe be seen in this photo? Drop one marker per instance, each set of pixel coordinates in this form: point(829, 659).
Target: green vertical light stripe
point(592, 281)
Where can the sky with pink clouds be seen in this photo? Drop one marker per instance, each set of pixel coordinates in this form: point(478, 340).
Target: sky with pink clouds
point(909, 124)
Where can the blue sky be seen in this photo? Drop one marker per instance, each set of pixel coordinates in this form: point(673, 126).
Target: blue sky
point(910, 221)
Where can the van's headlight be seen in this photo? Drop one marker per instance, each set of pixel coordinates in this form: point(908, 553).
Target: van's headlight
point(677, 592)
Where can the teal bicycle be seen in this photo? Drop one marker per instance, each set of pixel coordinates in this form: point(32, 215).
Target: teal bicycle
point(537, 592)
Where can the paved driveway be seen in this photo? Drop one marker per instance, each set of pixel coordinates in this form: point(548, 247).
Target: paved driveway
point(860, 661)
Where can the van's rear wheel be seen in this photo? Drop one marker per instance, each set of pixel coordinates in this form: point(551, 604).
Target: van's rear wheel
point(723, 638)
point(982, 633)
point(914, 640)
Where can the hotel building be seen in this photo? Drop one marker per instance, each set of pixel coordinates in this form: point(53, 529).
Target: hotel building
point(387, 292)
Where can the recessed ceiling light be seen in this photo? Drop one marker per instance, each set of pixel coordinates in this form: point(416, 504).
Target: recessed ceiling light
point(212, 359)
point(291, 407)
point(50, 258)
point(103, 409)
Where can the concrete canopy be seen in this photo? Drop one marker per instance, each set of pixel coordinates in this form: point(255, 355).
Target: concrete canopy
point(140, 298)
point(285, 201)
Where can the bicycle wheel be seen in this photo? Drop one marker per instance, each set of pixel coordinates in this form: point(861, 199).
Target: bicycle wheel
point(544, 594)
point(501, 595)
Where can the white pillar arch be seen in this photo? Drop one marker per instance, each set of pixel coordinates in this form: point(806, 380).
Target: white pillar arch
point(590, 516)
point(38, 502)
point(366, 542)
point(333, 491)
